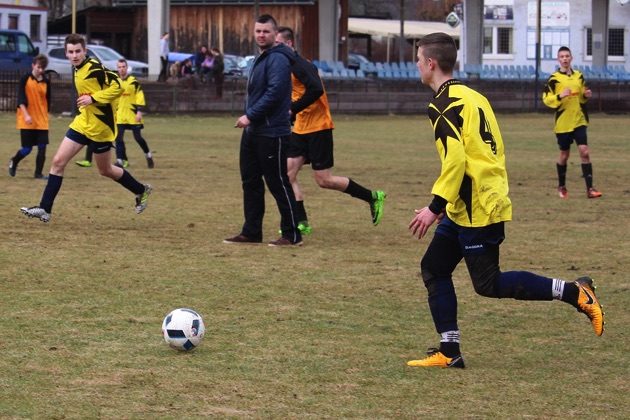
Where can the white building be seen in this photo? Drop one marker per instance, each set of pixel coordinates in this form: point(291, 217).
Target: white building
point(509, 32)
point(27, 17)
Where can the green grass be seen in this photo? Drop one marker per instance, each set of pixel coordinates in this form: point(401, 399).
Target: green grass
point(322, 331)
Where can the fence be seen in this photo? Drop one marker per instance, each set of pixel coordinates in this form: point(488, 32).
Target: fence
point(365, 96)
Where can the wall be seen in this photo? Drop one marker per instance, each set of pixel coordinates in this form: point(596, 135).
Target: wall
point(24, 14)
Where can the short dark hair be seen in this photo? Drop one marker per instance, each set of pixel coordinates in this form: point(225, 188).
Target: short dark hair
point(440, 47)
point(74, 39)
point(564, 48)
point(122, 60)
point(267, 19)
point(287, 33)
point(41, 59)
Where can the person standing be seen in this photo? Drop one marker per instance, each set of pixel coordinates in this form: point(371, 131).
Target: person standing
point(32, 115)
point(129, 115)
point(217, 71)
point(312, 139)
point(567, 93)
point(266, 129)
point(93, 126)
point(164, 50)
point(471, 204)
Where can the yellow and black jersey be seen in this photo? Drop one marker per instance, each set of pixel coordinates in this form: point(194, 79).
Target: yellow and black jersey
point(35, 96)
point(309, 102)
point(473, 179)
point(98, 120)
point(130, 102)
point(570, 110)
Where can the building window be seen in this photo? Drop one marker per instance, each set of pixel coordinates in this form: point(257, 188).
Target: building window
point(14, 21)
point(497, 40)
point(615, 42)
point(35, 28)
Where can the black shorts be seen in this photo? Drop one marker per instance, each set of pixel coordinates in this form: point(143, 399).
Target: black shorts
point(578, 135)
point(97, 147)
point(32, 138)
point(316, 148)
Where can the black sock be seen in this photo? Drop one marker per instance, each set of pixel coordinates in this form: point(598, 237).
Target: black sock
point(587, 173)
point(129, 182)
point(39, 161)
point(301, 211)
point(562, 174)
point(570, 293)
point(358, 191)
point(449, 348)
point(50, 192)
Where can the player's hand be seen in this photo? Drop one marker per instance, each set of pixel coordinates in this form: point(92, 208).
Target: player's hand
point(588, 93)
point(27, 119)
point(565, 92)
point(84, 100)
point(423, 219)
point(242, 122)
point(138, 116)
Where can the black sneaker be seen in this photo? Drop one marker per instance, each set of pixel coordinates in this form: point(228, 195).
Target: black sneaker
point(12, 167)
point(241, 239)
point(150, 163)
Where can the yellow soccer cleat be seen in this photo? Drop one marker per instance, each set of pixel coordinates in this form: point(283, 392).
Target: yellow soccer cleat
point(588, 304)
point(436, 358)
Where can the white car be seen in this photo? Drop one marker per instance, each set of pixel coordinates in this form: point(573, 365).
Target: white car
point(58, 62)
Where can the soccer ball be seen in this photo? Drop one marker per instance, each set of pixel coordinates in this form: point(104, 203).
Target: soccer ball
point(183, 329)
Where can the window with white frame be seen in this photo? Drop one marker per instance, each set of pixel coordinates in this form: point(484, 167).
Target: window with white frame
point(615, 42)
point(497, 40)
point(36, 28)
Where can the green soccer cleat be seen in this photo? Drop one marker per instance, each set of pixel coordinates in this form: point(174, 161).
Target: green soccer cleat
point(376, 206)
point(305, 228)
point(84, 163)
point(141, 199)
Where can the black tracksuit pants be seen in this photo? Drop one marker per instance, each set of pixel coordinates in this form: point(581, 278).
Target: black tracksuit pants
point(265, 157)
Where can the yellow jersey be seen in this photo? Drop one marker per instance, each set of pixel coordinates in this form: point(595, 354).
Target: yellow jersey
point(98, 120)
point(473, 179)
point(130, 102)
point(570, 110)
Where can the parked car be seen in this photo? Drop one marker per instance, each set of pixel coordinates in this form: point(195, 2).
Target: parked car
point(230, 65)
point(58, 62)
point(355, 61)
point(16, 51)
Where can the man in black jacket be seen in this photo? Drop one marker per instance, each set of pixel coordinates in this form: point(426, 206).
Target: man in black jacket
point(266, 129)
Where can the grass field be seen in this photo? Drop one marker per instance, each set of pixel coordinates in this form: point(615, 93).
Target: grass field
point(322, 331)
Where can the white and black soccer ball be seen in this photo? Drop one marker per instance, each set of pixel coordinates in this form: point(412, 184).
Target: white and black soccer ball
point(183, 329)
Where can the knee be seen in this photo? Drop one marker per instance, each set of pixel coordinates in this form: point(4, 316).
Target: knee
point(324, 181)
point(485, 281)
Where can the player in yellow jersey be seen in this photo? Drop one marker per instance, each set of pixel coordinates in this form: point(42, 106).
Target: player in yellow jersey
point(471, 204)
point(32, 115)
point(567, 93)
point(94, 126)
point(129, 115)
point(312, 139)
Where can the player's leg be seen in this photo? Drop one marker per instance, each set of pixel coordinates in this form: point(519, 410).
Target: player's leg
point(121, 151)
point(481, 253)
point(103, 159)
point(137, 135)
point(40, 159)
point(28, 139)
point(297, 156)
point(322, 162)
point(69, 147)
point(564, 144)
point(437, 265)
point(587, 167)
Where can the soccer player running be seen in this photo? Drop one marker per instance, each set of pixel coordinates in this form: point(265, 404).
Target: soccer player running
point(567, 93)
point(32, 115)
point(94, 126)
point(129, 115)
point(471, 204)
point(312, 139)
point(266, 128)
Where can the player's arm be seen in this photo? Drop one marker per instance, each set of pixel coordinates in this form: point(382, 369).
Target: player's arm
point(21, 92)
point(112, 88)
point(139, 101)
point(306, 73)
point(48, 93)
point(551, 97)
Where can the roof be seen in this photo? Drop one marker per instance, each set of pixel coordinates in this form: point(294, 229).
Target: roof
point(391, 28)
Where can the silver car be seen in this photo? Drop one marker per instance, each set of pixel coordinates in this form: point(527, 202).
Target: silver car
point(58, 62)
